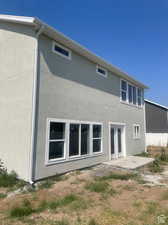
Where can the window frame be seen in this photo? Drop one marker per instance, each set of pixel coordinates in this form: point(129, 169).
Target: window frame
point(97, 138)
point(102, 68)
point(135, 134)
point(54, 140)
point(127, 94)
point(66, 157)
point(64, 48)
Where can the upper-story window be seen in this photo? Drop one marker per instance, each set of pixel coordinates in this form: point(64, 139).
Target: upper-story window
point(101, 71)
point(130, 93)
point(62, 51)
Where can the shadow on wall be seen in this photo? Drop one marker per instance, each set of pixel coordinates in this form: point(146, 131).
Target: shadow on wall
point(78, 69)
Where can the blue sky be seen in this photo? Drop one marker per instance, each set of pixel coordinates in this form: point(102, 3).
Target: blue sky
point(130, 34)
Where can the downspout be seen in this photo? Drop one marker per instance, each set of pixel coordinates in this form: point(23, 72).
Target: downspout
point(34, 98)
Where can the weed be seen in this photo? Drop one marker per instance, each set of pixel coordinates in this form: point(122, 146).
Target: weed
point(118, 176)
point(143, 154)
point(8, 180)
point(61, 222)
point(129, 187)
point(164, 195)
point(24, 210)
point(2, 195)
point(92, 222)
point(97, 186)
point(79, 204)
point(137, 204)
point(151, 207)
point(46, 184)
point(155, 167)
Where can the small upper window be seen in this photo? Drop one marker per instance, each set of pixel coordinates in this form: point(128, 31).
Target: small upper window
point(101, 71)
point(136, 131)
point(62, 51)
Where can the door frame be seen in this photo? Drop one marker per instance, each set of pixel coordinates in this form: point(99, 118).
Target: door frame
point(123, 125)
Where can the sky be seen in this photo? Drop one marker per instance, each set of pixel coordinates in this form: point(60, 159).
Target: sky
point(130, 34)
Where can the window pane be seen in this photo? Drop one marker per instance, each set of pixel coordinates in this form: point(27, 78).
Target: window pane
point(56, 150)
point(85, 139)
point(57, 130)
point(101, 71)
point(139, 92)
point(96, 131)
point(134, 95)
point(124, 96)
point(130, 93)
point(74, 140)
point(139, 101)
point(96, 145)
point(119, 141)
point(123, 85)
point(61, 50)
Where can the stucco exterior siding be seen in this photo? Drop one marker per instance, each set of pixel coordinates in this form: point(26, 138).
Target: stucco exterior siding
point(71, 89)
point(16, 83)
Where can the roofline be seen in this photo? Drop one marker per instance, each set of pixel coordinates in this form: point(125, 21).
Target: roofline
point(154, 103)
point(51, 32)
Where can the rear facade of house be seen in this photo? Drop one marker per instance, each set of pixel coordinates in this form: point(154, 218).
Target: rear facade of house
point(156, 124)
point(63, 107)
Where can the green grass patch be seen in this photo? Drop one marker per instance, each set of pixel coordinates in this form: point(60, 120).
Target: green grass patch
point(24, 210)
point(92, 222)
point(2, 195)
point(118, 176)
point(155, 166)
point(97, 186)
point(68, 199)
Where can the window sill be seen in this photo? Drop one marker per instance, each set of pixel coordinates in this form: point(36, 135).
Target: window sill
point(135, 106)
point(73, 159)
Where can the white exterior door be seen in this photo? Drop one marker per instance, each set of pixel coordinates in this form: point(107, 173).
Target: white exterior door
point(117, 143)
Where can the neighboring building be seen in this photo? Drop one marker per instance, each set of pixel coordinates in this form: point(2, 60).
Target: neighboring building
point(156, 124)
point(62, 107)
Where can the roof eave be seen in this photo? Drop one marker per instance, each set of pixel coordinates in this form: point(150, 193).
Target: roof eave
point(51, 32)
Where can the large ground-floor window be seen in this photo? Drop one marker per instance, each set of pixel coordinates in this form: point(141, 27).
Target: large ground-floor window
point(71, 139)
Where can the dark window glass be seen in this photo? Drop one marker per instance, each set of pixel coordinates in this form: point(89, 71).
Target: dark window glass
point(56, 150)
point(101, 71)
point(96, 131)
point(112, 141)
point(61, 50)
point(119, 141)
point(96, 145)
point(134, 95)
point(57, 131)
point(85, 139)
point(74, 140)
point(130, 93)
point(124, 96)
point(123, 85)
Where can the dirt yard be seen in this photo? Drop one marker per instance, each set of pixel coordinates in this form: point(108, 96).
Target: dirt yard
point(81, 198)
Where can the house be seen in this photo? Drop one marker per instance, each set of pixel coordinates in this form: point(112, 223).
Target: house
point(156, 124)
point(62, 107)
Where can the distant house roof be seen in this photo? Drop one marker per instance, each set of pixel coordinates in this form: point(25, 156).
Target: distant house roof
point(54, 34)
point(156, 104)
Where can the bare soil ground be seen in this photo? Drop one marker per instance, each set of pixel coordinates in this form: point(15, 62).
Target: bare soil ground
point(111, 201)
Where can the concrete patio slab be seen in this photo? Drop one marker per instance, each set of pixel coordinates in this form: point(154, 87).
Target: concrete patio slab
point(130, 162)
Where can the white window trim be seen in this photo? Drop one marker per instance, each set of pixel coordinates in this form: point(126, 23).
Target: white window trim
point(98, 138)
point(66, 157)
point(127, 95)
point(66, 49)
point(135, 135)
point(103, 75)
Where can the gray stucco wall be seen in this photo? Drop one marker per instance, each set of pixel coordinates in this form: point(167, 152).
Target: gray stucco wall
point(16, 83)
point(156, 118)
point(71, 89)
